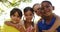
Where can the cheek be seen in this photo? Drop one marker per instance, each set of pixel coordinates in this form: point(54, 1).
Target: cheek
point(29, 17)
point(12, 18)
point(18, 19)
point(49, 11)
point(26, 17)
point(39, 12)
point(50, 8)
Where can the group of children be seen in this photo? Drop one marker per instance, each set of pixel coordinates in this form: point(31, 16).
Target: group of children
point(49, 22)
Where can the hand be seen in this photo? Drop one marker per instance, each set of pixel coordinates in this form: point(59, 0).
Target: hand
point(11, 24)
point(21, 28)
point(8, 23)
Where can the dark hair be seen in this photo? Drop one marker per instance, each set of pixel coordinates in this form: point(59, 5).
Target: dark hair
point(47, 2)
point(35, 4)
point(16, 10)
point(29, 9)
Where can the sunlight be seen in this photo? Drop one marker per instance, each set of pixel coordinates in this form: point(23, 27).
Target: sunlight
point(3, 17)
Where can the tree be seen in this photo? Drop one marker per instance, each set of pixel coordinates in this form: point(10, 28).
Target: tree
point(11, 3)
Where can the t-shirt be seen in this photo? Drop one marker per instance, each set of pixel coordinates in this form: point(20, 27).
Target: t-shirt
point(43, 26)
point(7, 28)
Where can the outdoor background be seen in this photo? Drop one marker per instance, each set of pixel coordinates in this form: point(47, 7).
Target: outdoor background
point(7, 5)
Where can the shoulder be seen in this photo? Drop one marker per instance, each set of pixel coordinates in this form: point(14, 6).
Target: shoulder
point(40, 21)
point(6, 22)
point(57, 19)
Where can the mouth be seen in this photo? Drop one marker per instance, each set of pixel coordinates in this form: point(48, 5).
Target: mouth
point(45, 14)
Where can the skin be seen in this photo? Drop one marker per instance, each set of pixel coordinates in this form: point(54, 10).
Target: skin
point(15, 20)
point(37, 9)
point(47, 13)
point(28, 15)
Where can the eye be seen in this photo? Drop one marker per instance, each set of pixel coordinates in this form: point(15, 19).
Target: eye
point(30, 14)
point(38, 9)
point(17, 16)
point(41, 9)
point(26, 15)
point(13, 15)
point(47, 6)
point(35, 11)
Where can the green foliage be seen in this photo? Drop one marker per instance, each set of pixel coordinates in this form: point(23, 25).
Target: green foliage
point(26, 0)
point(13, 3)
point(3, 0)
point(1, 11)
point(10, 4)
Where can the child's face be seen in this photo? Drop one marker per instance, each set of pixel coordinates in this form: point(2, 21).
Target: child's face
point(15, 17)
point(28, 15)
point(46, 8)
point(36, 10)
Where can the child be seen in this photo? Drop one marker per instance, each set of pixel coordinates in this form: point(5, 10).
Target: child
point(29, 25)
point(49, 22)
point(15, 25)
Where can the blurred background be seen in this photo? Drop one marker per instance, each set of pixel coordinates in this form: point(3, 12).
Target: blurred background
point(7, 5)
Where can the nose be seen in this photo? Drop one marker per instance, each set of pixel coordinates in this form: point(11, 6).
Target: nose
point(45, 8)
point(15, 17)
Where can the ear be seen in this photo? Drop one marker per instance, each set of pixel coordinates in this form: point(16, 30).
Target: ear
point(53, 7)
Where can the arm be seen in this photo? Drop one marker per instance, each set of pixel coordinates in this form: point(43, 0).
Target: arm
point(54, 27)
point(19, 27)
point(36, 28)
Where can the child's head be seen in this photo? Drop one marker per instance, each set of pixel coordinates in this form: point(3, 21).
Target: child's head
point(28, 13)
point(47, 8)
point(36, 8)
point(16, 14)
point(47, 2)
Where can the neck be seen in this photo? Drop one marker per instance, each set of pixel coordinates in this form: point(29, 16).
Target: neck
point(49, 18)
point(27, 24)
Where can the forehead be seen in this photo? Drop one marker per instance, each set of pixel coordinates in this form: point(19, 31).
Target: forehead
point(16, 13)
point(45, 4)
point(28, 12)
point(37, 6)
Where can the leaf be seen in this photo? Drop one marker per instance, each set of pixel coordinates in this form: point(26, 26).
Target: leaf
point(14, 3)
point(1, 11)
point(3, 0)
